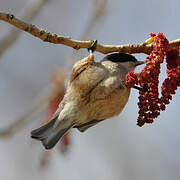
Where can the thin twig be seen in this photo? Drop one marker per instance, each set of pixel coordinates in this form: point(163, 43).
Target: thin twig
point(95, 17)
point(29, 12)
point(97, 13)
point(53, 90)
point(76, 44)
point(43, 101)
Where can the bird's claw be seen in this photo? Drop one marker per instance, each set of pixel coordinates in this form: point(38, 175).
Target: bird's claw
point(143, 89)
point(93, 46)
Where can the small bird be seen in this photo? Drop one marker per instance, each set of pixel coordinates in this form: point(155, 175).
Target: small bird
point(96, 91)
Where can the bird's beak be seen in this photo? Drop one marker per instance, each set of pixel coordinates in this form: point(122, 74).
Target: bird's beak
point(139, 63)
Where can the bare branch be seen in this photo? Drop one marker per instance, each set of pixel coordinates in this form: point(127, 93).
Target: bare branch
point(54, 89)
point(20, 122)
point(29, 12)
point(97, 13)
point(76, 44)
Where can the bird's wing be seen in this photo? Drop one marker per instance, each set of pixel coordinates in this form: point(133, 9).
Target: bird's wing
point(59, 109)
point(81, 65)
point(85, 126)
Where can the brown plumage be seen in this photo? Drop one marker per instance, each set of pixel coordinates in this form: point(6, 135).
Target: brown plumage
point(96, 91)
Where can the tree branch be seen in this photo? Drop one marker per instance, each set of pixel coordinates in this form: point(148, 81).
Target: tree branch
point(76, 44)
point(29, 12)
point(53, 89)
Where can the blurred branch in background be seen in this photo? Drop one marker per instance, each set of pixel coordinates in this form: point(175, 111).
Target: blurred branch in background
point(28, 13)
point(98, 10)
point(96, 17)
point(47, 96)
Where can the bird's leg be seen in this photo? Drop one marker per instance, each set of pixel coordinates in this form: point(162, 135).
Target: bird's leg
point(143, 89)
point(90, 58)
point(84, 63)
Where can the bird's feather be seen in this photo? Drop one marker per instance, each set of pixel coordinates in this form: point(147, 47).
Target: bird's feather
point(43, 131)
point(80, 66)
point(86, 126)
point(49, 135)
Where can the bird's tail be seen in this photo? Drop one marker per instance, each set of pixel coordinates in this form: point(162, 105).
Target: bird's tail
point(48, 135)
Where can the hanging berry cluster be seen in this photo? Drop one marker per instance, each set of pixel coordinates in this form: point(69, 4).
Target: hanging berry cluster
point(150, 104)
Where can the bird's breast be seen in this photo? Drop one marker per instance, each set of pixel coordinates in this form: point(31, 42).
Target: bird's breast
point(107, 102)
point(100, 93)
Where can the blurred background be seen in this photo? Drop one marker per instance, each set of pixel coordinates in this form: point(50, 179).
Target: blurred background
point(114, 149)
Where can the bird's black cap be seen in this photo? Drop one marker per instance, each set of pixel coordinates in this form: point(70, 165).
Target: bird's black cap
point(120, 57)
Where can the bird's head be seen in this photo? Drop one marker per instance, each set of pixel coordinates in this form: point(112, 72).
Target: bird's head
point(127, 60)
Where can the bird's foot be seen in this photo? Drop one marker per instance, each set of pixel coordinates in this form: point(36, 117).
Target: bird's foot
point(93, 46)
point(143, 89)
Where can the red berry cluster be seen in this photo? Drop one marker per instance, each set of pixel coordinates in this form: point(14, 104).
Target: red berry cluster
point(172, 81)
point(149, 103)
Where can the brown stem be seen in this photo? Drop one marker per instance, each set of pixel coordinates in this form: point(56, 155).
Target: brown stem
point(76, 44)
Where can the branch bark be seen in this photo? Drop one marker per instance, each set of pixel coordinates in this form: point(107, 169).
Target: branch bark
point(76, 44)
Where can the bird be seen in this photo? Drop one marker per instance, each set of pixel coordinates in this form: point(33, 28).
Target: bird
point(96, 91)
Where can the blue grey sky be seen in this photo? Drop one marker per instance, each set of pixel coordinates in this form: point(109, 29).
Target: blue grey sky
point(114, 149)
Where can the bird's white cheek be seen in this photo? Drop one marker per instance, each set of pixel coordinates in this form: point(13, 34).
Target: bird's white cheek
point(112, 83)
